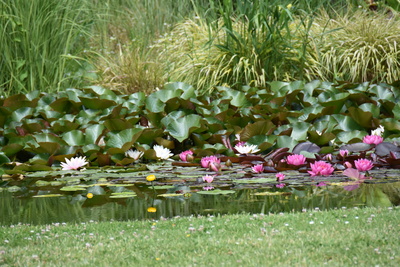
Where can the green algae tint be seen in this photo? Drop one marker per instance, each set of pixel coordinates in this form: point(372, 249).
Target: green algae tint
point(100, 195)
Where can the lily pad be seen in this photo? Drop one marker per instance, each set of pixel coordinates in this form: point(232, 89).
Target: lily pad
point(216, 192)
point(49, 195)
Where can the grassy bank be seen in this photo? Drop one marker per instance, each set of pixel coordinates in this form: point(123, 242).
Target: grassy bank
point(344, 237)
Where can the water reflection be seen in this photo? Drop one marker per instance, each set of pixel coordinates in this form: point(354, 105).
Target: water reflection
point(185, 201)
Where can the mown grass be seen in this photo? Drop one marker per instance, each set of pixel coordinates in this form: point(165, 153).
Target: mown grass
point(343, 237)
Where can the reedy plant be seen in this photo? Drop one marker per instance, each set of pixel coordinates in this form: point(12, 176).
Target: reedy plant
point(124, 35)
point(250, 42)
point(356, 47)
point(36, 39)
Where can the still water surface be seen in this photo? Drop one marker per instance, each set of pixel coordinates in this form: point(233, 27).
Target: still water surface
point(182, 200)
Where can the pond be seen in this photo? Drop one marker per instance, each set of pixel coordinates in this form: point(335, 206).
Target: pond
point(124, 194)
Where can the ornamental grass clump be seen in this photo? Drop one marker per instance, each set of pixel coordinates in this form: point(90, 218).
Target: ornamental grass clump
point(244, 44)
point(356, 47)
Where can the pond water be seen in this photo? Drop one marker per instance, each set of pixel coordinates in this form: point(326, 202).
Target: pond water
point(40, 202)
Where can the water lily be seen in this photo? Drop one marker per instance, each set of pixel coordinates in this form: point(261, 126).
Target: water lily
point(280, 176)
point(74, 163)
point(162, 152)
point(134, 154)
point(185, 155)
point(363, 164)
point(378, 131)
point(296, 159)
point(206, 161)
point(354, 174)
point(343, 153)
point(373, 139)
point(150, 177)
point(208, 178)
point(243, 148)
point(259, 168)
point(321, 168)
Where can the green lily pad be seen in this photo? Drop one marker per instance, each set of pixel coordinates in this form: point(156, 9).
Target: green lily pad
point(255, 181)
point(122, 195)
point(216, 192)
point(49, 195)
point(73, 188)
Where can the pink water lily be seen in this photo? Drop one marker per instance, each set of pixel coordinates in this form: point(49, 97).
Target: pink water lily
point(74, 163)
point(206, 161)
point(280, 176)
point(259, 168)
point(184, 155)
point(344, 153)
point(296, 159)
point(363, 164)
point(321, 168)
point(208, 178)
point(373, 139)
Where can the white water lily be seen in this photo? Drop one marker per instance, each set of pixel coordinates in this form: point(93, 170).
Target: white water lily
point(162, 152)
point(74, 163)
point(378, 131)
point(246, 149)
point(134, 154)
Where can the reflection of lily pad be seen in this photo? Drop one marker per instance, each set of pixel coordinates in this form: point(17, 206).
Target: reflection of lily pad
point(158, 187)
point(72, 188)
point(216, 192)
point(123, 195)
point(170, 195)
point(49, 195)
point(14, 189)
point(255, 181)
point(270, 193)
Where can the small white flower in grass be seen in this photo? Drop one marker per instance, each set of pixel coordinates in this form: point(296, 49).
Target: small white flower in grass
point(134, 154)
point(74, 163)
point(162, 152)
point(246, 149)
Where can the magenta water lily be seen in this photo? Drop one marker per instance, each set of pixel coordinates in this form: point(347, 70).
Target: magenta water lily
point(321, 168)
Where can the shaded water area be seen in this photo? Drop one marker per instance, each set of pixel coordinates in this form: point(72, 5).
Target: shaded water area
point(124, 195)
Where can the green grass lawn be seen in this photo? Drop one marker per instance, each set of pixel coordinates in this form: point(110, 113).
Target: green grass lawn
point(344, 237)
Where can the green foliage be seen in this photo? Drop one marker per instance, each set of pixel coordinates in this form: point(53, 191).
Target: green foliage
point(101, 124)
point(37, 40)
point(342, 237)
point(248, 43)
point(356, 46)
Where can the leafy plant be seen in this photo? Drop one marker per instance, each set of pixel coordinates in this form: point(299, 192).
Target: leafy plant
point(355, 47)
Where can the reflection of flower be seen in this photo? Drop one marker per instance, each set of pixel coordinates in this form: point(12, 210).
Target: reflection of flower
point(151, 177)
point(281, 185)
point(354, 174)
point(321, 184)
point(373, 139)
point(363, 164)
point(162, 152)
point(296, 159)
point(205, 162)
point(134, 154)
point(321, 168)
point(184, 155)
point(208, 188)
point(208, 178)
point(74, 163)
point(280, 176)
point(259, 168)
point(151, 209)
point(243, 148)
